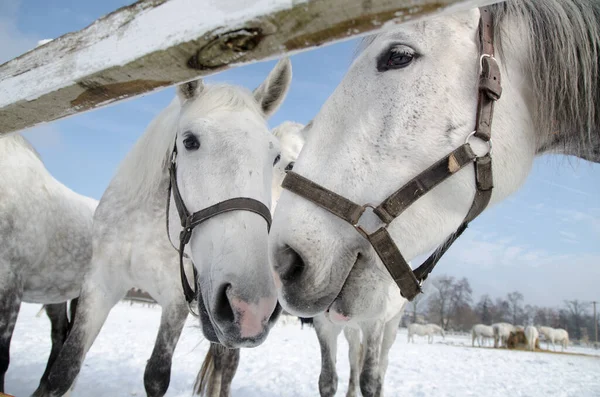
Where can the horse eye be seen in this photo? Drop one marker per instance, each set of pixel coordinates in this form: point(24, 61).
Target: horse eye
point(191, 143)
point(290, 166)
point(276, 160)
point(395, 59)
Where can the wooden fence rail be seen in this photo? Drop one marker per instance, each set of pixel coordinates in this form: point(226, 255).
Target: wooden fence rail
point(154, 44)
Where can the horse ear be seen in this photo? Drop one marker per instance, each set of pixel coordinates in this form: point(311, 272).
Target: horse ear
point(189, 90)
point(271, 93)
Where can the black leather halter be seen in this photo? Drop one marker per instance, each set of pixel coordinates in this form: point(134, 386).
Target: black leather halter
point(410, 281)
point(190, 221)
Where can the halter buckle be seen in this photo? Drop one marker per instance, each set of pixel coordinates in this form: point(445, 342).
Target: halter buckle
point(361, 228)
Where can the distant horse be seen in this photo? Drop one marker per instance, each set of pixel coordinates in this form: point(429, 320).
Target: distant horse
point(45, 243)
point(555, 335)
point(532, 335)
point(481, 333)
point(501, 333)
point(408, 131)
point(211, 150)
point(428, 330)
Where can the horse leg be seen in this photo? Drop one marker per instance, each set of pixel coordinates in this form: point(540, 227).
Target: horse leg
point(327, 333)
point(370, 376)
point(157, 375)
point(354, 356)
point(95, 302)
point(389, 337)
point(59, 329)
point(10, 303)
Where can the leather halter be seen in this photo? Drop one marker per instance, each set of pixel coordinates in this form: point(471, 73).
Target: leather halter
point(410, 281)
point(190, 221)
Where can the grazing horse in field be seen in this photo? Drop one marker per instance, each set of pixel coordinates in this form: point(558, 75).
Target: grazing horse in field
point(209, 157)
point(424, 330)
point(532, 335)
point(501, 333)
point(45, 243)
point(481, 333)
point(555, 335)
point(399, 159)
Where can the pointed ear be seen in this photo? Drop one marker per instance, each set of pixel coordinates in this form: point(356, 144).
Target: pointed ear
point(271, 93)
point(189, 90)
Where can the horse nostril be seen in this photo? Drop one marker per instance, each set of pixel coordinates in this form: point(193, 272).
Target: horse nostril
point(223, 310)
point(290, 264)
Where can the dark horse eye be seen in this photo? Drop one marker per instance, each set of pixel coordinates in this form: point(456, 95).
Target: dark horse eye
point(191, 143)
point(276, 160)
point(290, 166)
point(395, 59)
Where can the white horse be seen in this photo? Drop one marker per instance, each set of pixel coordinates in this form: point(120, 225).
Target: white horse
point(501, 333)
point(555, 335)
point(532, 335)
point(428, 330)
point(408, 101)
point(481, 333)
point(368, 357)
point(45, 242)
point(223, 150)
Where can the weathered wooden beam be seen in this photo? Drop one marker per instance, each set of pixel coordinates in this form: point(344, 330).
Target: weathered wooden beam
point(154, 44)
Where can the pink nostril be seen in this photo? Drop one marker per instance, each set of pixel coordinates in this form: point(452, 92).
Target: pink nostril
point(252, 318)
point(276, 279)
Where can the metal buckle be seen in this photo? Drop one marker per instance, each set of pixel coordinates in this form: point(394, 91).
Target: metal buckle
point(360, 228)
point(488, 142)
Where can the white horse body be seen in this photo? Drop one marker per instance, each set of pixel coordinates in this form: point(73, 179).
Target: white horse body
point(531, 334)
point(408, 100)
point(224, 150)
point(428, 330)
point(481, 333)
point(555, 335)
point(501, 333)
point(45, 242)
point(45, 227)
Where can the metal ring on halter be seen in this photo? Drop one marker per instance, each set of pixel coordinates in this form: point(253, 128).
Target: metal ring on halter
point(481, 60)
point(357, 225)
point(489, 142)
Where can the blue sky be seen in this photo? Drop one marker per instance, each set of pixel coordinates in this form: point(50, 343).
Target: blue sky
point(543, 241)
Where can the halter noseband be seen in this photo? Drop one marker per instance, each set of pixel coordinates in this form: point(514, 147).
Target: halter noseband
point(410, 281)
point(190, 221)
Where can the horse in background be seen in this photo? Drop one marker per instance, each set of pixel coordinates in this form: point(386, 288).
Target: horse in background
point(210, 145)
point(45, 243)
point(481, 333)
point(555, 335)
point(428, 330)
point(501, 333)
point(532, 335)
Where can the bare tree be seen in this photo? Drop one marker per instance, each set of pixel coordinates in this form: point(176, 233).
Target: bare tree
point(439, 304)
point(484, 309)
point(577, 310)
point(515, 302)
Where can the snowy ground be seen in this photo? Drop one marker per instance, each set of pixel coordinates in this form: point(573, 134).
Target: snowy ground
point(288, 363)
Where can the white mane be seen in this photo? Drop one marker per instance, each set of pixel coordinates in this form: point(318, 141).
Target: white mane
point(145, 166)
point(11, 142)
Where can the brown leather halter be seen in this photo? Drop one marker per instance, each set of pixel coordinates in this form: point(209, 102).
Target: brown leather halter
point(190, 221)
point(408, 280)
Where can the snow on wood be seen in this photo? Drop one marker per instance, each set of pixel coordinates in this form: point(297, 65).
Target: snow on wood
point(154, 44)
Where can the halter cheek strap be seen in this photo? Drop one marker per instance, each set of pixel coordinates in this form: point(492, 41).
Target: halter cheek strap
point(410, 281)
